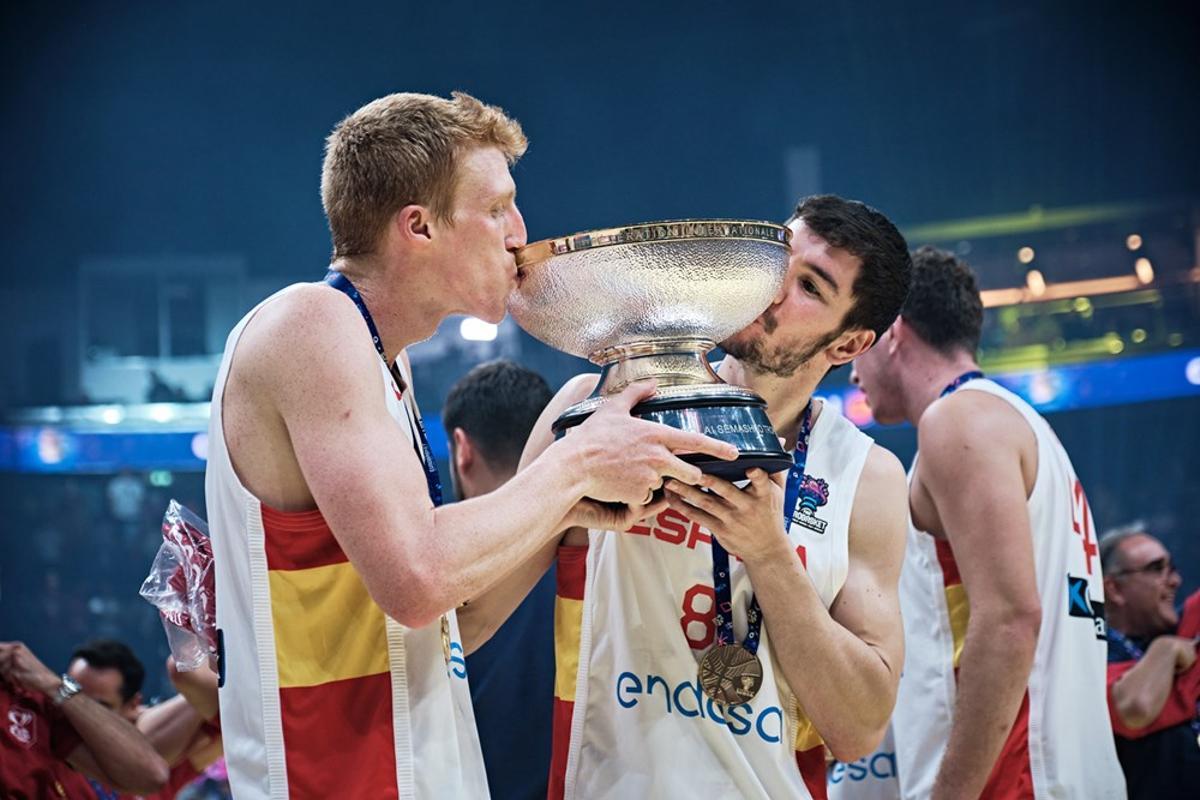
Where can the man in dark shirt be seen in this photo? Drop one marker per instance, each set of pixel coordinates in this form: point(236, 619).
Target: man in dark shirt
point(1153, 673)
point(488, 416)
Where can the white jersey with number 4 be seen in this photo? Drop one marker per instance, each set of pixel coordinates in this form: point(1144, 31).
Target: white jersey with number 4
point(1061, 743)
point(632, 720)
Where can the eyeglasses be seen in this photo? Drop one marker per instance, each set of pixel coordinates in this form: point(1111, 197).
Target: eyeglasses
point(1159, 567)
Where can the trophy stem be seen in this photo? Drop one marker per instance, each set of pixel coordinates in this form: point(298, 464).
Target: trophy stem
point(675, 362)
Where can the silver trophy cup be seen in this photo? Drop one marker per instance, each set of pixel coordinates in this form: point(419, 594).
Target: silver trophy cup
point(650, 301)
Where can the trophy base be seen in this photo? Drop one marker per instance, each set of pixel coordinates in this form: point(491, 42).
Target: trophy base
point(723, 412)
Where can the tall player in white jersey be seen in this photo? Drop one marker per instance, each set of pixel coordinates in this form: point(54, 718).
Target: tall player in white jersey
point(337, 571)
point(635, 614)
point(1003, 692)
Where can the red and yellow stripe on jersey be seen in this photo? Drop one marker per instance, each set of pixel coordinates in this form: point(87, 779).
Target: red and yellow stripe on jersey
point(1010, 777)
point(957, 608)
point(568, 620)
point(331, 652)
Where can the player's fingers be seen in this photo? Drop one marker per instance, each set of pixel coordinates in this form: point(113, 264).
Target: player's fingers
point(722, 488)
point(760, 482)
point(650, 510)
point(687, 442)
point(690, 494)
point(632, 394)
point(695, 514)
point(680, 470)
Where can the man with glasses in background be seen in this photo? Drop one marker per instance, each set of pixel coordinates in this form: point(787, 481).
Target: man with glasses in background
point(1153, 675)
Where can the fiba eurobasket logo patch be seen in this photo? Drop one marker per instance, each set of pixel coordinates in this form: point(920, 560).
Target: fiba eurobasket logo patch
point(814, 493)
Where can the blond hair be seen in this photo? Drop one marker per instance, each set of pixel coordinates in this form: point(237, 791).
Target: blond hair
point(399, 150)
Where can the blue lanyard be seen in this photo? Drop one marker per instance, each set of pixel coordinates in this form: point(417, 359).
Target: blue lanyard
point(723, 612)
point(1132, 649)
point(960, 380)
point(1136, 653)
point(433, 481)
point(103, 792)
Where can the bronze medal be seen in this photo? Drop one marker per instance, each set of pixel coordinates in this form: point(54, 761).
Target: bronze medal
point(446, 638)
point(730, 674)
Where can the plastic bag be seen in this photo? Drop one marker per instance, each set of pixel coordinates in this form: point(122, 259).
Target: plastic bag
point(181, 585)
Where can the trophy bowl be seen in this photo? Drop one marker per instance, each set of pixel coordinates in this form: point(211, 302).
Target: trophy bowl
point(649, 301)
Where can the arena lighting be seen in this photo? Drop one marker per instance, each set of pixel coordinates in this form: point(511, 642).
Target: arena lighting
point(1144, 269)
point(200, 446)
point(1037, 218)
point(1192, 371)
point(1133, 241)
point(1025, 255)
point(476, 330)
point(1059, 291)
point(112, 415)
point(161, 478)
point(50, 446)
point(1138, 335)
point(1035, 282)
point(162, 412)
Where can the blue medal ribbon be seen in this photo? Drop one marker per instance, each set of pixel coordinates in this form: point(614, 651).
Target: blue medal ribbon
point(723, 596)
point(960, 380)
point(433, 481)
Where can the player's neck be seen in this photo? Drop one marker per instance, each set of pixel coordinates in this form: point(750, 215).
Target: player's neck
point(929, 378)
point(400, 299)
point(484, 481)
point(786, 396)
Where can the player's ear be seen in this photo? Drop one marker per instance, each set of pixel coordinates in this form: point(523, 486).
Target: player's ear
point(1112, 591)
point(849, 345)
point(896, 333)
point(463, 450)
point(412, 224)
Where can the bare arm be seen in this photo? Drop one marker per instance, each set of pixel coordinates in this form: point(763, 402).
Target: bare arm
point(484, 615)
point(859, 638)
point(970, 465)
point(418, 561)
point(112, 751)
point(1139, 695)
point(198, 686)
point(171, 726)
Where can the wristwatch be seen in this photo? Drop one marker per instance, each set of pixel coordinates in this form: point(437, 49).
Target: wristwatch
point(66, 690)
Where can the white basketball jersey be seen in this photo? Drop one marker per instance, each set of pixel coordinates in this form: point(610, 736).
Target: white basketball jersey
point(1061, 744)
point(323, 694)
point(872, 777)
point(640, 725)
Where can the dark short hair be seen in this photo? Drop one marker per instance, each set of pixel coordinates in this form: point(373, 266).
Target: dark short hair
point(882, 283)
point(943, 305)
point(496, 404)
point(111, 654)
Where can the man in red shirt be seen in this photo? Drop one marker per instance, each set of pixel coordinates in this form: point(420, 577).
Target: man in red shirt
point(182, 729)
point(1153, 674)
point(49, 722)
